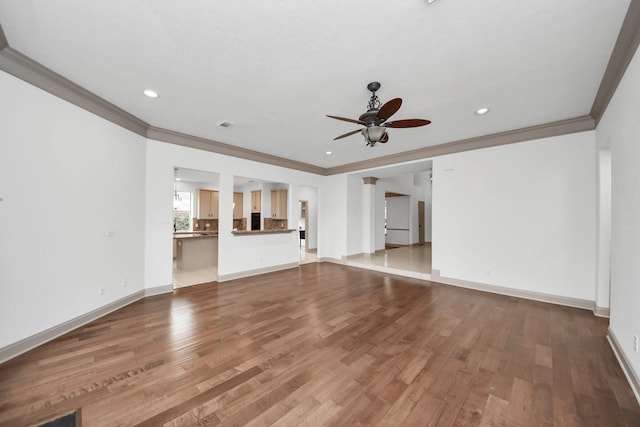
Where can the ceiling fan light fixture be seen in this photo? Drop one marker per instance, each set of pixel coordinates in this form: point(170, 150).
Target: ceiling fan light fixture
point(375, 119)
point(374, 133)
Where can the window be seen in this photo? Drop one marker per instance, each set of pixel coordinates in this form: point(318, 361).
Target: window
point(182, 211)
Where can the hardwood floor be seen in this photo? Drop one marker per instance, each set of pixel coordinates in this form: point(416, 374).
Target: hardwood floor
point(326, 344)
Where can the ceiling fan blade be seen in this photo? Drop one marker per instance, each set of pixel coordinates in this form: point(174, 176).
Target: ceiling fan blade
point(385, 138)
point(353, 132)
point(389, 108)
point(344, 119)
point(407, 123)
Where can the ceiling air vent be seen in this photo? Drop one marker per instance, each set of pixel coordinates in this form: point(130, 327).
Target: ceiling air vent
point(225, 124)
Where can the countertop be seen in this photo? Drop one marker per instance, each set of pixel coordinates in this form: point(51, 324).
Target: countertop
point(254, 232)
point(194, 234)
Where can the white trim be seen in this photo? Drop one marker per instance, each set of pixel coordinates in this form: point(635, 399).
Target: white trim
point(25, 68)
point(600, 311)
point(158, 290)
point(501, 290)
point(29, 343)
point(631, 376)
point(249, 273)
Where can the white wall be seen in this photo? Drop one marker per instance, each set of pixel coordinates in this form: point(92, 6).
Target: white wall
point(379, 220)
point(333, 217)
point(520, 216)
point(67, 178)
point(237, 254)
point(620, 128)
point(355, 201)
point(603, 267)
point(428, 208)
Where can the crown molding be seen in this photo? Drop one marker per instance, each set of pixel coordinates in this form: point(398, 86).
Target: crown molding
point(3, 40)
point(563, 127)
point(177, 138)
point(623, 52)
point(25, 68)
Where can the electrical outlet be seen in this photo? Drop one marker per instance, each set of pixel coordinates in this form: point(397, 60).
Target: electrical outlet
point(635, 343)
point(125, 282)
point(101, 290)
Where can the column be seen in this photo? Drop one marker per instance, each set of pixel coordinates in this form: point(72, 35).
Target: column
point(369, 215)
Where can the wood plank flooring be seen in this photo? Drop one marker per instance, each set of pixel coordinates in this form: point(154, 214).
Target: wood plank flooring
point(326, 344)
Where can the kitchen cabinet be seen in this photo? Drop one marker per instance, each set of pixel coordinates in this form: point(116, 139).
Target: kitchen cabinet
point(256, 201)
point(207, 204)
point(237, 205)
point(279, 204)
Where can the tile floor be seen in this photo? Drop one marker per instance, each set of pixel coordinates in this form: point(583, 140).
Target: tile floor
point(182, 278)
point(410, 261)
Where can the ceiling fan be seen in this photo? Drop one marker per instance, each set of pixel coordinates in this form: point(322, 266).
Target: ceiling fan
point(375, 119)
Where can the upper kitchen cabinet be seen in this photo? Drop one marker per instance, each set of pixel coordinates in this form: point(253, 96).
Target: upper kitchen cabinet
point(207, 204)
point(279, 204)
point(237, 205)
point(256, 201)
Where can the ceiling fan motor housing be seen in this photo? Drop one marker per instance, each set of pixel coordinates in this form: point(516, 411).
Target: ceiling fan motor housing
point(371, 117)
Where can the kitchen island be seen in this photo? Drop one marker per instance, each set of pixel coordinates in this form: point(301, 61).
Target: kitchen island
point(196, 250)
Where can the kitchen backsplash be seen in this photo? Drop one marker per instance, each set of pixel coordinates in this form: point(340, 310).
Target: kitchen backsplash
point(205, 224)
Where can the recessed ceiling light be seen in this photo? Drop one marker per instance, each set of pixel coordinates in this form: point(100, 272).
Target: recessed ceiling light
point(151, 93)
point(329, 152)
point(225, 124)
point(481, 111)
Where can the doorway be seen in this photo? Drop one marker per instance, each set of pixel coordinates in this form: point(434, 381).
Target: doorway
point(306, 230)
point(303, 223)
point(195, 227)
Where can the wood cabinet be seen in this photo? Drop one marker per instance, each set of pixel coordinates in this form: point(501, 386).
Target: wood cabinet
point(238, 205)
point(207, 204)
point(256, 201)
point(279, 204)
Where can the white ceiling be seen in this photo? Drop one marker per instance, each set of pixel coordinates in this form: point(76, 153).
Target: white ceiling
point(276, 68)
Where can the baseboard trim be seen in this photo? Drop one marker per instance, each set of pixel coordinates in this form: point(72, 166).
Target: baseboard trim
point(158, 290)
point(29, 343)
point(501, 290)
point(601, 311)
point(258, 271)
point(631, 376)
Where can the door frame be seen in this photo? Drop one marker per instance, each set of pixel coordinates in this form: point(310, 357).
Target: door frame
point(421, 222)
point(304, 204)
